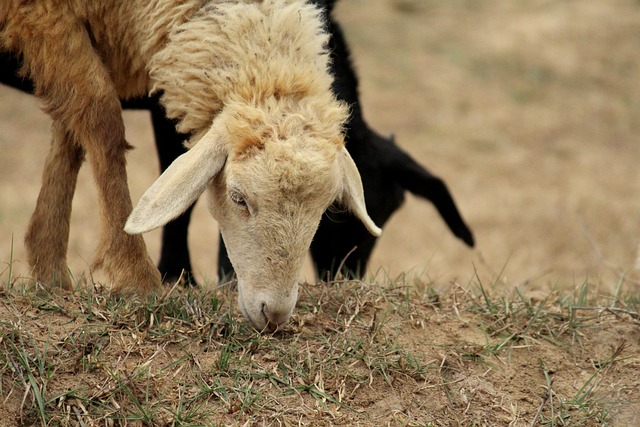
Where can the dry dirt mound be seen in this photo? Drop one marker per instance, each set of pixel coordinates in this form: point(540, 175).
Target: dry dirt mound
point(354, 354)
point(529, 110)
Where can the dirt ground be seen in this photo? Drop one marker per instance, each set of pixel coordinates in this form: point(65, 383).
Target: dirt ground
point(530, 111)
point(353, 355)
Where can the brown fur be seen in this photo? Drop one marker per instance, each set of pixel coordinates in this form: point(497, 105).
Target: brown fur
point(83, 101)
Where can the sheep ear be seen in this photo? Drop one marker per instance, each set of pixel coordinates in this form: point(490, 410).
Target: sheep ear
point(352, 193)
point(179, 185)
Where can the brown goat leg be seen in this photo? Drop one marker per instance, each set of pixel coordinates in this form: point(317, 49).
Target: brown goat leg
point(48, 231)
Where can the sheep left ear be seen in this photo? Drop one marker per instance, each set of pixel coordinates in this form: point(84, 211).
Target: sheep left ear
point(180, 185)
point(352, 193)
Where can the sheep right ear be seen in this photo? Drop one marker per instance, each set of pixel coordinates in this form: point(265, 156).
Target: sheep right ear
point(352, 194)
point(179, 186)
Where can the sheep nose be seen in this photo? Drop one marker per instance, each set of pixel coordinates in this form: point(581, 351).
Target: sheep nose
point(274, 317)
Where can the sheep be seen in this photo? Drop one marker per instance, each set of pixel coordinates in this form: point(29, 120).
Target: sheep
point(249, 80)
point(340, 239)
point(341, 244)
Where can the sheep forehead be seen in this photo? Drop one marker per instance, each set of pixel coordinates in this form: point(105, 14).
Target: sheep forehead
point(291, 124)
point(283, 170)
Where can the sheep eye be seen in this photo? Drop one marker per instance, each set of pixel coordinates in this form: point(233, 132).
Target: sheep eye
point(237, 198)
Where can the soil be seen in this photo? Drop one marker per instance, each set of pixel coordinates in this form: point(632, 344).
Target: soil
point(352, 355)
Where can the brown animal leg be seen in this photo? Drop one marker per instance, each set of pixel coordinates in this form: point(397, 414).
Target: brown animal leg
point(82, 100)
point(122, 256)
point(48, 232)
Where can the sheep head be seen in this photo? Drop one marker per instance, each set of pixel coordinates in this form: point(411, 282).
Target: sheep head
point(270, 177)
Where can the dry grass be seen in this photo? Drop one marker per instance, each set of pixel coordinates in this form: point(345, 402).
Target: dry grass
point(529, 110)
point(390, 353)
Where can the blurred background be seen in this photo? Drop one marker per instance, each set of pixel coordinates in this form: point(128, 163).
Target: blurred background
point(530, 112)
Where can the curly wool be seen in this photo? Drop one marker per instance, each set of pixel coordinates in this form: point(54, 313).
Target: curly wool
point(246, 53)
point(199, 54)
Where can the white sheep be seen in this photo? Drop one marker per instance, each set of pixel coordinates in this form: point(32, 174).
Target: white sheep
point(248, 79)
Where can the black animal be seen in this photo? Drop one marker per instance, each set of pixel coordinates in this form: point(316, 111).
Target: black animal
point(341, 241)
point(386, 172)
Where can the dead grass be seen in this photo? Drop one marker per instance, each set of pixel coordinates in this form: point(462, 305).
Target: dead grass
point(394, 352)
